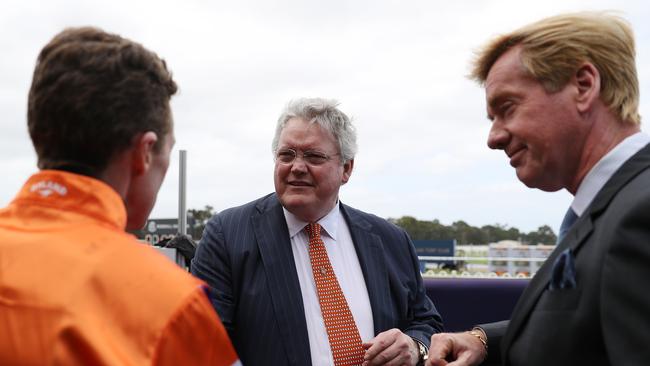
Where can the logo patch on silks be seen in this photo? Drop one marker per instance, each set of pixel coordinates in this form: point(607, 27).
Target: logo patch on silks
point(46, 187)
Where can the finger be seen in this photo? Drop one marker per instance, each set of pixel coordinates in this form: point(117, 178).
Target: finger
point(450, 357)
point(465, 359)
point(435, 362)
point(441, 348)
point(391, 355)
point(379, 343)
point(459, 362)
point(400, 352)
point(401, 357)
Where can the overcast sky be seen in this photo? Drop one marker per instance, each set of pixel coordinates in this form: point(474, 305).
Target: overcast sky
point(397, 67)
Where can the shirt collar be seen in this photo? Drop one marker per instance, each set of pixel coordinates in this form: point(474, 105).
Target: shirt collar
point(329, 222)
point(75, 193)
point(605, 168)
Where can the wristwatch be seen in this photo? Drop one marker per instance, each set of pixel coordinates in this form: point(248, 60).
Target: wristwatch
point(423, 352)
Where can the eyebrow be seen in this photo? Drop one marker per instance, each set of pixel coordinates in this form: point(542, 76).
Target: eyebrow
point(496, 100)
point(491, 105)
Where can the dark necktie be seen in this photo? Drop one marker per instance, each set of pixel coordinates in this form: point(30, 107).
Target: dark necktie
point(569, 218)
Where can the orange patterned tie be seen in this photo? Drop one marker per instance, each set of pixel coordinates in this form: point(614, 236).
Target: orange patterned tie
point(342, 332)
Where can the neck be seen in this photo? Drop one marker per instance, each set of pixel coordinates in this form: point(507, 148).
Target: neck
point(76, 168)
point(312, 216)
point(117, 175)
point(605, 134)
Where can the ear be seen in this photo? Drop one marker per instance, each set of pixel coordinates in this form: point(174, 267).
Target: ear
point(143, 151)
point(347, 170)
point(587, 80)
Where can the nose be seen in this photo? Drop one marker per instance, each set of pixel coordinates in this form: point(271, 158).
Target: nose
point(498, 137)
point(298, 166)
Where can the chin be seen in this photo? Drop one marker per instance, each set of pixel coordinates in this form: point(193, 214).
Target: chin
point(135, 224)
point(293, 199)
point(300, 207)
point(137, 219)
point(538, 183)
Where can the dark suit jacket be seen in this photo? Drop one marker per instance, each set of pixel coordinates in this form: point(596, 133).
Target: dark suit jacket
point(605, 319)
point(245, 256)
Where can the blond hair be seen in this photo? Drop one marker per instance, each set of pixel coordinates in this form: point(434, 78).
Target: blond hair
point(553, 49)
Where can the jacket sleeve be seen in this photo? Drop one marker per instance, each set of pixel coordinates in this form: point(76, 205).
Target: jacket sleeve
point(426, 320)
point(212, 264)
point(494, 332)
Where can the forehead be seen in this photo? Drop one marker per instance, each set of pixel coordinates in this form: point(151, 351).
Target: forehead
point(506, 76)
point(302, 134)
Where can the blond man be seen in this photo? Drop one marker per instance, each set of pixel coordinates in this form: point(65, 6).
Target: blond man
point(562, 94)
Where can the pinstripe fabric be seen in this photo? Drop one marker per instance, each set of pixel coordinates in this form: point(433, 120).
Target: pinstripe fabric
point(245, 255)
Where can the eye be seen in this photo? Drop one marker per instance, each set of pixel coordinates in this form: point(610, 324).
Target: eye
point(286, 156)
point(506, 108)
point(315, 157)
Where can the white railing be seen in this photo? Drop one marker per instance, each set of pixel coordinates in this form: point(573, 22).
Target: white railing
point(484, 266)
point(488, 259)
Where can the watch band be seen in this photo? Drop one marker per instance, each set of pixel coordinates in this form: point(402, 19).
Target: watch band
point(479, 333)
point(423, 352)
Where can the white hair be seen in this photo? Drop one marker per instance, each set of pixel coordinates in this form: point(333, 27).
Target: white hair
point(328, 116)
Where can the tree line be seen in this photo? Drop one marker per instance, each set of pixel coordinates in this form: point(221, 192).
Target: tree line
point(425, 230)
point(466, 234)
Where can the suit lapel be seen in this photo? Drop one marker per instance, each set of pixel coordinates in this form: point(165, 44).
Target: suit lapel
point(574, 239)
point(370, 252)
point(537, 285)
point(274, 244)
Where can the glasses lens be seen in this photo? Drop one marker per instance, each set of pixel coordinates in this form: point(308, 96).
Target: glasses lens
point(314, 157)
point(286, 156)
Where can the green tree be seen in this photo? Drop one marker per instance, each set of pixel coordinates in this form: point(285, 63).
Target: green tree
point(199, 220)
point(468, 234)
point(543, 235)
point(423, 230)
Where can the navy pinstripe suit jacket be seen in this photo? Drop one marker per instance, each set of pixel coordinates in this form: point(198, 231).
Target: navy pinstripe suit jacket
point(245, 256)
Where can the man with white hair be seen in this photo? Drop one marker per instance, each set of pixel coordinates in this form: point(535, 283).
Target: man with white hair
point(301, 278)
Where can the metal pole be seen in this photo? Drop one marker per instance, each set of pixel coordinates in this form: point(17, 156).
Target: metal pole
point(182, 175)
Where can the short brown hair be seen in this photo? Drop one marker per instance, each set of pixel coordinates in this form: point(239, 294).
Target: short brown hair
point(91, 93)
point(553, 49)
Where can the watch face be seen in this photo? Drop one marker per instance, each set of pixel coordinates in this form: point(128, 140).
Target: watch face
point(423, 352)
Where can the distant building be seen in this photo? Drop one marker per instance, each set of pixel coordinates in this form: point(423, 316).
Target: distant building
point(509, 256)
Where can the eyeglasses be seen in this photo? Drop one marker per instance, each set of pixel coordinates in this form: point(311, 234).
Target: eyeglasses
point(288, 156)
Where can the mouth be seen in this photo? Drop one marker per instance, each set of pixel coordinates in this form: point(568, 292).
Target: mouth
point(515, 155)
point(299, 183)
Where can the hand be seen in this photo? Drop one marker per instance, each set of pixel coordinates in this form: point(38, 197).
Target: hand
point(455, 349)
point(391, 348)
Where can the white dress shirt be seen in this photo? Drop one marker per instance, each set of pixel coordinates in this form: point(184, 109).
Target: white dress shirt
point(343, 256)
point(605, 168)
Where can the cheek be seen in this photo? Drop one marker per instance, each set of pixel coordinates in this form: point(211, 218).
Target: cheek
point(160, 177)
point(327, 183)
point(279, 173)
point(165, 166)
